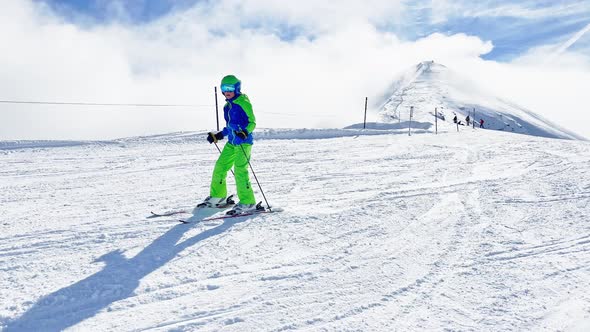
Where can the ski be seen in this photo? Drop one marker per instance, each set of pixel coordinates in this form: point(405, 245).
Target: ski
point(245, 214)
point(261, 210)
point(167, 214)
point(229, 202)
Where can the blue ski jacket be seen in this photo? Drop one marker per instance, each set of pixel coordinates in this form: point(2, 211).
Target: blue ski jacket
point(238, 116)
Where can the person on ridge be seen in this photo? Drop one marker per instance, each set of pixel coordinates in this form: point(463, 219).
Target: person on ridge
point(240, 123)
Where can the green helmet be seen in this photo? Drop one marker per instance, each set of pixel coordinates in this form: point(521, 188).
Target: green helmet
point(231, 83)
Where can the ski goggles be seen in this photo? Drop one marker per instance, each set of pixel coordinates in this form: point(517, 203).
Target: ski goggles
point(228, 88)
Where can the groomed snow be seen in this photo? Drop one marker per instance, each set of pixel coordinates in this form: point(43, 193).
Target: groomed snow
point(469, 231)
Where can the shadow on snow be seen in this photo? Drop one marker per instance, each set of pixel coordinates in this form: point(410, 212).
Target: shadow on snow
point(116, 281)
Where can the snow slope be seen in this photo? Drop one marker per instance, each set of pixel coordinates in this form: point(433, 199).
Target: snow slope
point(431, 85)
point(379, 233)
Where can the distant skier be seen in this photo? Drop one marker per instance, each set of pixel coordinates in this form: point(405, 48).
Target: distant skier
point(480, 123)
point(455, 119)
point(467, 120)
point(240, 123)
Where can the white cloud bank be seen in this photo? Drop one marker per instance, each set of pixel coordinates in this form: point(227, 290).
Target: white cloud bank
point(317, 78)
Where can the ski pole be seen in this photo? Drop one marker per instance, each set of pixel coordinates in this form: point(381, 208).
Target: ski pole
point(218, 149)
point(252, 169)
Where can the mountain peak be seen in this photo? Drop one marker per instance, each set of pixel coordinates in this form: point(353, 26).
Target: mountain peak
point(429, 66)
point(429, 85)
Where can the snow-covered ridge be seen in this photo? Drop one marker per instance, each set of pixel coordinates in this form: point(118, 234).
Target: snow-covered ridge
point(259, 134)
point(280, 134)
point(431, 85)
point(26, 144)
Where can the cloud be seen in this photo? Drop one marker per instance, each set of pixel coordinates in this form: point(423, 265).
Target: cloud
point(304, 64)
point(443, 10)
point(572, 40)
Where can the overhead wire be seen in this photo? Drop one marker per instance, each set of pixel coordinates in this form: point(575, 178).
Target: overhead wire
point(139, 105)
point(97, 104)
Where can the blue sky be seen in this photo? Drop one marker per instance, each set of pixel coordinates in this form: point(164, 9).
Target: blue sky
point(107, 11)
point(512, 36)
point(513, 27)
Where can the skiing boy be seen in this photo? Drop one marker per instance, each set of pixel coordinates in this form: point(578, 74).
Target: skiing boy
point(240, 123)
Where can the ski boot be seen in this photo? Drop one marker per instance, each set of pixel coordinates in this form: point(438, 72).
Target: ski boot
point(216, 202)
point(241, 208)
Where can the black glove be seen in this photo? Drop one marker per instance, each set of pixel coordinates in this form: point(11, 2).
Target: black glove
point(214, 137)
point(243, 134)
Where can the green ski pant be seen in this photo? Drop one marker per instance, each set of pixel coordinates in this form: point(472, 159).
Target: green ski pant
point(233, 155)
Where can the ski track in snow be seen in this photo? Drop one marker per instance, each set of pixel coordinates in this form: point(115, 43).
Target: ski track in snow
point(385, 233)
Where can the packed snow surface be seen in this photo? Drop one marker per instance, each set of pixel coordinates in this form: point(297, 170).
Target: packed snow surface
point(470, 231)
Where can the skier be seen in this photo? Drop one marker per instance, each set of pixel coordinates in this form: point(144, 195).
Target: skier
point(240, 123)
point(467, 120)
point(455, 119)
point(480, 123)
